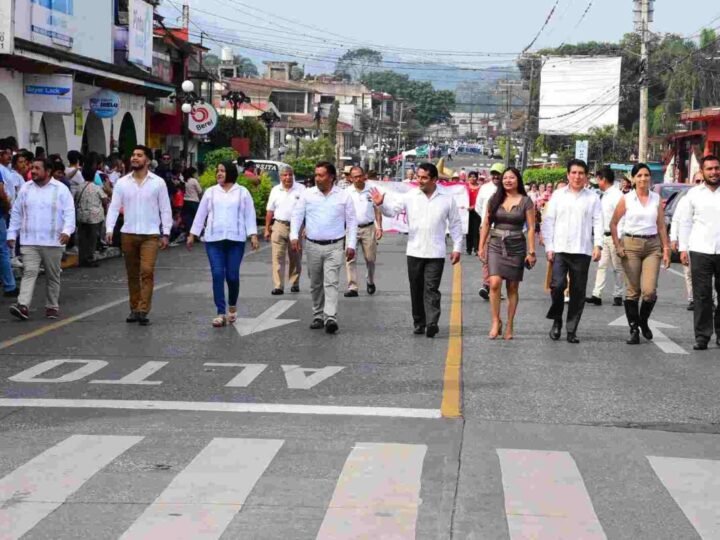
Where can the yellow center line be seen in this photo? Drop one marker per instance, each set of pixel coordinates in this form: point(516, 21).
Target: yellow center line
point(452, 392)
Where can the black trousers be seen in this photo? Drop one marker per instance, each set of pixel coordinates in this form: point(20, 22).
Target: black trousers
point(472, 239)
point(577, 265)
point(703, 268)
point(87, 237)
point(425, 276)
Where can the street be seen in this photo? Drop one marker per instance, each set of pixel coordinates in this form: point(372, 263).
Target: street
point(179, 430)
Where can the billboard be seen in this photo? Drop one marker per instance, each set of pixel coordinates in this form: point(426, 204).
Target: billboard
point(48, 93)
point(579, 93)
point(140, 38)
point(7, 40)
point(51, 22)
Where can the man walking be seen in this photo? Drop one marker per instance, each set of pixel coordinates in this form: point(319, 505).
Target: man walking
point(430, 213)
point(611, 196)
point(573, 221)
point(143, 196)
point(90, 201)
point(281, 203)
point(43, 217)
point(329, 216)
point(481, 203)
point(369, 220)
point(699, 239)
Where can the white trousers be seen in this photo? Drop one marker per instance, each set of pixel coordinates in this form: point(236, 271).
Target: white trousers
point(609, 259)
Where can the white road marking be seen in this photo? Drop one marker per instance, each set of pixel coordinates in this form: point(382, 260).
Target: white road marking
point(267, 320)
point(545, 497)
point(203, 499)
point(300, 378)
point(249, 373)
point(673, 271)
point(138, 376)
point(228, 407)
point(32, 375)
point(664, 343)
point(377, 494)
point(37, 488)
point(695, 486)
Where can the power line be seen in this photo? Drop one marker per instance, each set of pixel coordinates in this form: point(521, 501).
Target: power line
point(547, 21)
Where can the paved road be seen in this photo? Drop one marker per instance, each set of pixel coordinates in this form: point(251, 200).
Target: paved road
point(179, 430)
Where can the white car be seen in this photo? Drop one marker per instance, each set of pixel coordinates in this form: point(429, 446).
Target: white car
point(270, 167)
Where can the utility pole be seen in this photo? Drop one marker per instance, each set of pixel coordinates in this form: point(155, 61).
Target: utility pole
point(643, 16)
point(507, 86)
point(526, 138)
point(400, 123)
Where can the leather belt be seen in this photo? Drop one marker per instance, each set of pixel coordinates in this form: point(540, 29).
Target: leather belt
point(282, 221)
point(645, 236)
point(499, 233)
point(364, 225)
point(326, 242)
point(608, 233)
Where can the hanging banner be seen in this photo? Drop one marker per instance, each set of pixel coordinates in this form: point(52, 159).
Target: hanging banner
point(581, 150)
point(203, 119)
point(105, 104)
point(140, 38)
point(7, 39)
point(52, 22)
point(79, 121)
point(48, 93)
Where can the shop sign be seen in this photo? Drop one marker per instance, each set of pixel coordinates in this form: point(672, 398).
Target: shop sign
point(49, 93)
point(105, 104)
point(203, 119)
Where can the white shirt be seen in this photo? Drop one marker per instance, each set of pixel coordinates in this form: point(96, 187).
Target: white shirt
point(327, 217)
point(699, 229)
point(573, 222)
point(641, 219)
point(429, 218)
point(9, 183)
point(609, 201)
point(41, 214)
point(675, 223)
point(364, 207)
point(146, 206)
point(481, 203)
point(226, 215)
point(282, 201)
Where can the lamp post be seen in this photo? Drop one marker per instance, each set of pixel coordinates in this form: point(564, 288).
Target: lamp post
point(268, 118)
point(188, 98)
point(296, 133)
point(236, 99)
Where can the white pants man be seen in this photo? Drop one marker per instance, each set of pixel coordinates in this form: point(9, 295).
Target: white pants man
point(609, 259)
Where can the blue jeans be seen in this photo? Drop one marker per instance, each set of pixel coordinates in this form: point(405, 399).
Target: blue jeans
point(6, 272)
point(225, 257)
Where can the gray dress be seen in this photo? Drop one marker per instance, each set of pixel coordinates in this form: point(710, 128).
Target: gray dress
point(508, 248)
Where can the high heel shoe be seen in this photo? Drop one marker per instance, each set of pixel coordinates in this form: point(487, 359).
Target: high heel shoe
point(495, 334)
point(509, 334)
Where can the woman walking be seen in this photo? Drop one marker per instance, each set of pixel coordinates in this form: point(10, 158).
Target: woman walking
point(510, 212)
point(227, 214)
point(643, 248)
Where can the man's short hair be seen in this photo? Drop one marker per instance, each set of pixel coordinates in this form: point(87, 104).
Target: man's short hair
point(58, 166)
point(73, 156)
point(709, 157)
point(329, 167)
point(606, 173)
point(358, 168)
point(430, 169)
point(577, 163)
point(145, 150)
point(286, 168)
point(46, 163)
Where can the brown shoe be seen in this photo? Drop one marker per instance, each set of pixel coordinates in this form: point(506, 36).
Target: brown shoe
point(20, 311)
point(52, 313)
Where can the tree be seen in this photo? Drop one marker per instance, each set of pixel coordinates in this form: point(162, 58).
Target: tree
point(246, 67)
point(249, 128)
point(333, 118)
point(297, 73)
point(356, 63)
point(311, 152)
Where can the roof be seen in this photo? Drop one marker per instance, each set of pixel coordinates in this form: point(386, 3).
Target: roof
point(698, 115)
point(267, 84)
point(308, 121)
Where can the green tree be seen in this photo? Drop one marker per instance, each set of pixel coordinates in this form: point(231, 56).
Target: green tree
point(312, 152)
point(246, 67)
point(333, 118)
point(249, 128)
point(356, 63)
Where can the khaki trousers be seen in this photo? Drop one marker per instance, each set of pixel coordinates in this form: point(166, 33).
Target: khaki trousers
point(140, 252)
point(609, 258)
point(642, 260)
point(51, 259)
point(324, 263)
point(368, 243)
point(280, 243)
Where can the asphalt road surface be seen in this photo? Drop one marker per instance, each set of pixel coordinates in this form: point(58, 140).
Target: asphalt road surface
point(271, 430)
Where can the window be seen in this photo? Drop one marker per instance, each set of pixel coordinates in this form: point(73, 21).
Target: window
point(288, 102)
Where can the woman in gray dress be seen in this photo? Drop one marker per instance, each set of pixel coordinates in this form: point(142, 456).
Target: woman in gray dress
point(510, 213)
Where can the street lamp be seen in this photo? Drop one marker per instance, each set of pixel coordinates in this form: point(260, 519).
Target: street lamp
point(269, 118)
point(189, 99)
point(236, 99)
point(297, 133)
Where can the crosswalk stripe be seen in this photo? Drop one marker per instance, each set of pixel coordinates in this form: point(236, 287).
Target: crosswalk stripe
point(202, 500)
point(545, 497)
point(695, 486)
point(377, 494)
point(37, 488)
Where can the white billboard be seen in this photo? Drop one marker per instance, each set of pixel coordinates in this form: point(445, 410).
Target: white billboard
point(49, 93)
point(140, 38)
point(7, 40)
point(579, 93)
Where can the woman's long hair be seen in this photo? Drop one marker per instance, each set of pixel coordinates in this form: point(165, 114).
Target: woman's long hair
point(231, 172)
point(500, 195)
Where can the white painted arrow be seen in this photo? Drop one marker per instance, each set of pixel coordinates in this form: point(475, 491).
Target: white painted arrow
point(266, 321)
point(664, 343)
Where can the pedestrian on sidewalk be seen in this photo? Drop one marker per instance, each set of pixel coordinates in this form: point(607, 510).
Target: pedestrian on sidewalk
point(699, 239)
point(472, 239)
point(369, 219)
point(481, 204)
point(572, 230)
point(193, 193)
point(90, 203)
point(329, 216)
point(611, 196)
point(143, 197)
point(42, 218)
point(644, 246)
point(278, 213)
point(227, 213)
point(510, 213)
point(430, 213)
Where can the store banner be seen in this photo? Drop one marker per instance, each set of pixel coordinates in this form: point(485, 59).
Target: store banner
point(52, 22)
point(49, 93)
point(7, 39)
point(140, 38)
point(105, 103)
point(79, 121)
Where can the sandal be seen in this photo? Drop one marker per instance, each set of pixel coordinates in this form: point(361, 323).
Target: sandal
point(232, 316)
point(219, 321)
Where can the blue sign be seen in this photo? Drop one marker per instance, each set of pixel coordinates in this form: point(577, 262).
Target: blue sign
point(105, 104)
point(46, 90)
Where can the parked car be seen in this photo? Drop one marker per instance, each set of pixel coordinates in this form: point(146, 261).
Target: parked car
point(272, 168)
point(670, 208)
point(666, 190)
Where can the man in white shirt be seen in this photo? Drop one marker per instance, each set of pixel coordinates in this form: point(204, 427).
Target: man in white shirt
point(329, 215)
point(572, 229)
point(675, 233)
point(147, 219)
point(281, 202)
point(43, 217)
point(369, 220)
point(430, 213)
point(610, 199)
point(699, 239)
point(481, 203)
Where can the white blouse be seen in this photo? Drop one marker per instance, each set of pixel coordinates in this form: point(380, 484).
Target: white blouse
point(641, 219)
point(226, 215)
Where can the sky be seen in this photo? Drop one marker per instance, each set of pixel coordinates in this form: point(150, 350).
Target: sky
point(479, 33)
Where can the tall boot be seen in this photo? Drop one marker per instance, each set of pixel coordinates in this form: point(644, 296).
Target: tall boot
point(645, 311)
point(633, 316)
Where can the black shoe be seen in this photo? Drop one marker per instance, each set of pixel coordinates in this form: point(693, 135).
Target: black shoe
point(132, 318)
point(594, 300)
point(12, 294)
point(419, 329)
point(317, 324)
point(371, 288)
point(351, 294)
point(143, 319)
point(617, 301)
point(295, 288)
point(276, 292)
point(20, 311)
point(572, 338)
point(484, 293)
point(431, 330)
point(700, 346)
point(555, 331)
point(691, 305)
point(331, 326)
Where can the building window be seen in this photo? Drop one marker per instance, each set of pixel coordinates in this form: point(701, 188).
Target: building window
point(288, 102)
